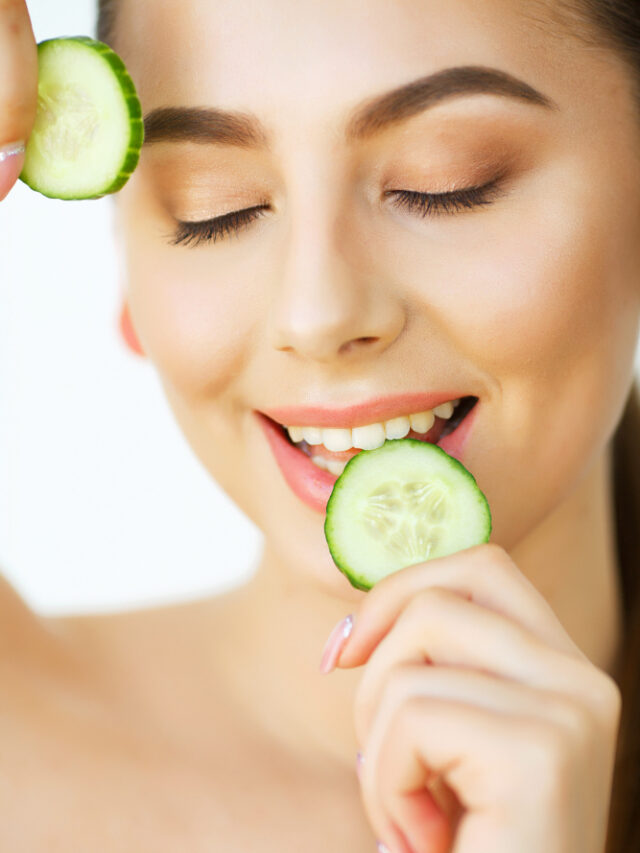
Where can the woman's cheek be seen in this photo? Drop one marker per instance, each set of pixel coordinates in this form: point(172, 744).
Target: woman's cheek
point(194, 317)
point(196, 322)
point(558, 311)
point(531, 287)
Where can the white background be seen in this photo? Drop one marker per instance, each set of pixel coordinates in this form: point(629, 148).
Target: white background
point(102, 504)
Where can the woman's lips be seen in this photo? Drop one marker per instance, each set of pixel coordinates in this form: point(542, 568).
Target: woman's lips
point(310, 483)
point(378, 409)
point(314, 486)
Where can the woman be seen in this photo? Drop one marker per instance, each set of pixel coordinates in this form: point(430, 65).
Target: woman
point(348, 214)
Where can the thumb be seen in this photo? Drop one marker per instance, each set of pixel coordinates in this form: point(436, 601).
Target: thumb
point(18, 88)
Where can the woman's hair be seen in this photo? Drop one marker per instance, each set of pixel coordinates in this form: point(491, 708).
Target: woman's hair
point(106, 20)
point(614, 24)
point(624, 830)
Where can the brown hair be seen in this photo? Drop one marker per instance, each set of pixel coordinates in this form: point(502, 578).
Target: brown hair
point(106, 20)
point(624, 822)
point(617, 24)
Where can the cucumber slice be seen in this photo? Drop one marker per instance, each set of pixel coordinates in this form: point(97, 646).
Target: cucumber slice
point(88, 131)
point(403, 503)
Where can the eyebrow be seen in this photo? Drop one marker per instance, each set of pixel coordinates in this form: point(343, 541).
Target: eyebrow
point(223, 127)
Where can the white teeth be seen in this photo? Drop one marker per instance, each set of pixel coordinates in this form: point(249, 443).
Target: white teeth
point(336, 466)
point(368, 437)
point(337, 439)
point(312, 435)
point(422, 422)
point(321, 462)
point(295, 434)
point(445, 410)
point(397, 427)
point(333, 466)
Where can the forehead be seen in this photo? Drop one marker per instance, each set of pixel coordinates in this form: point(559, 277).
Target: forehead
point(304, 61)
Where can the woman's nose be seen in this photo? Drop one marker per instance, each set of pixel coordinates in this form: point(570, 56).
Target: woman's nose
point(329, 303)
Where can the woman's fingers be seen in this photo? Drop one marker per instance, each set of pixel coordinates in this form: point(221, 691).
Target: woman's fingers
point(479, 718)
point(18, 88)
point(512, 773)
point(475, 688)
point(431, 810)
point(439, 627)
point(484, 574)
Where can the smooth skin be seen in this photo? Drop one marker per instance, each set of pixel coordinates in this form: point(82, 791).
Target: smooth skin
point(479, 686)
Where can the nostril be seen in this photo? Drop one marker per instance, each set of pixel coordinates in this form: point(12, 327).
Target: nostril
point(357, 342)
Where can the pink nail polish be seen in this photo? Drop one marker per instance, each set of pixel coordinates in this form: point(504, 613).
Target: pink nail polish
point(11, 163)
point(335, 644)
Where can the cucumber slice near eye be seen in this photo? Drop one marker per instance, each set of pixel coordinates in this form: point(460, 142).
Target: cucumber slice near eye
point(88, 131)
point(403, 503)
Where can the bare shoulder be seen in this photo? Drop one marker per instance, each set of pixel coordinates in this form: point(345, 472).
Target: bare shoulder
point(97, 754)
point(68, 758)
point(39, 663)
point(25, 640)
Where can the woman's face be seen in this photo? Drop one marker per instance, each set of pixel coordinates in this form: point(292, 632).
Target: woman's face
point(341, 291)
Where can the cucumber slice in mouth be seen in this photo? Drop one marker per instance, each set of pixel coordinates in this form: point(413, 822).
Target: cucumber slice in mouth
point(88, 131)
point(401, 504)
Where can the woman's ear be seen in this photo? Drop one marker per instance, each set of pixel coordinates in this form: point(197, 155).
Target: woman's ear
point(127, 331)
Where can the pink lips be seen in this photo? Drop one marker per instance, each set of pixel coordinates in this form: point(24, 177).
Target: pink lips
point(310, 483)
point(313, 485)
point(373, 411)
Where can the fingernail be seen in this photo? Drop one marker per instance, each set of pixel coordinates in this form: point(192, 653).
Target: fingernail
point(335, 643)
point(382, 848)
point(11, 163)
point(359, 763)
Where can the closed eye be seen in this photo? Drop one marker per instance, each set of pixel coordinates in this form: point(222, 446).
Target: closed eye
point(210, 230)
point(424, 204)
point(430, 204)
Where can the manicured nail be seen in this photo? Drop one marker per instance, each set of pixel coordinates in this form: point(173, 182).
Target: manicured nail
point(382, 848)
point(359, 763)
point(335, 644)
point(11, 163)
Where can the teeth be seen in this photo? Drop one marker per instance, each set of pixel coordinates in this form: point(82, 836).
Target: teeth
point(368, 437)
point(312, 435)
point(445, 410)
point(321, 462)
point(337, 439)
point(397, 427)
point(333, 466)
point(296, 434)
point(336, 467)
point(422, 422)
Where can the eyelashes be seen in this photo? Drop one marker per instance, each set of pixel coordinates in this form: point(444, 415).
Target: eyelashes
point(210, 230)
point(426, 204)
point(417, 203)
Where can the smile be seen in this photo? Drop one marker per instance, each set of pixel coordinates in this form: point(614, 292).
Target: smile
point(330, 448)
point(313, 445)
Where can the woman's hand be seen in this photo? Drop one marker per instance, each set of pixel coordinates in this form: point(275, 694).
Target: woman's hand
point(18, 89)
point(483, 727)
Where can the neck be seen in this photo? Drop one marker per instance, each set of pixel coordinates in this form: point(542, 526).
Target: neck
point(571, 559)
point(275, 665)
point(277, 624)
